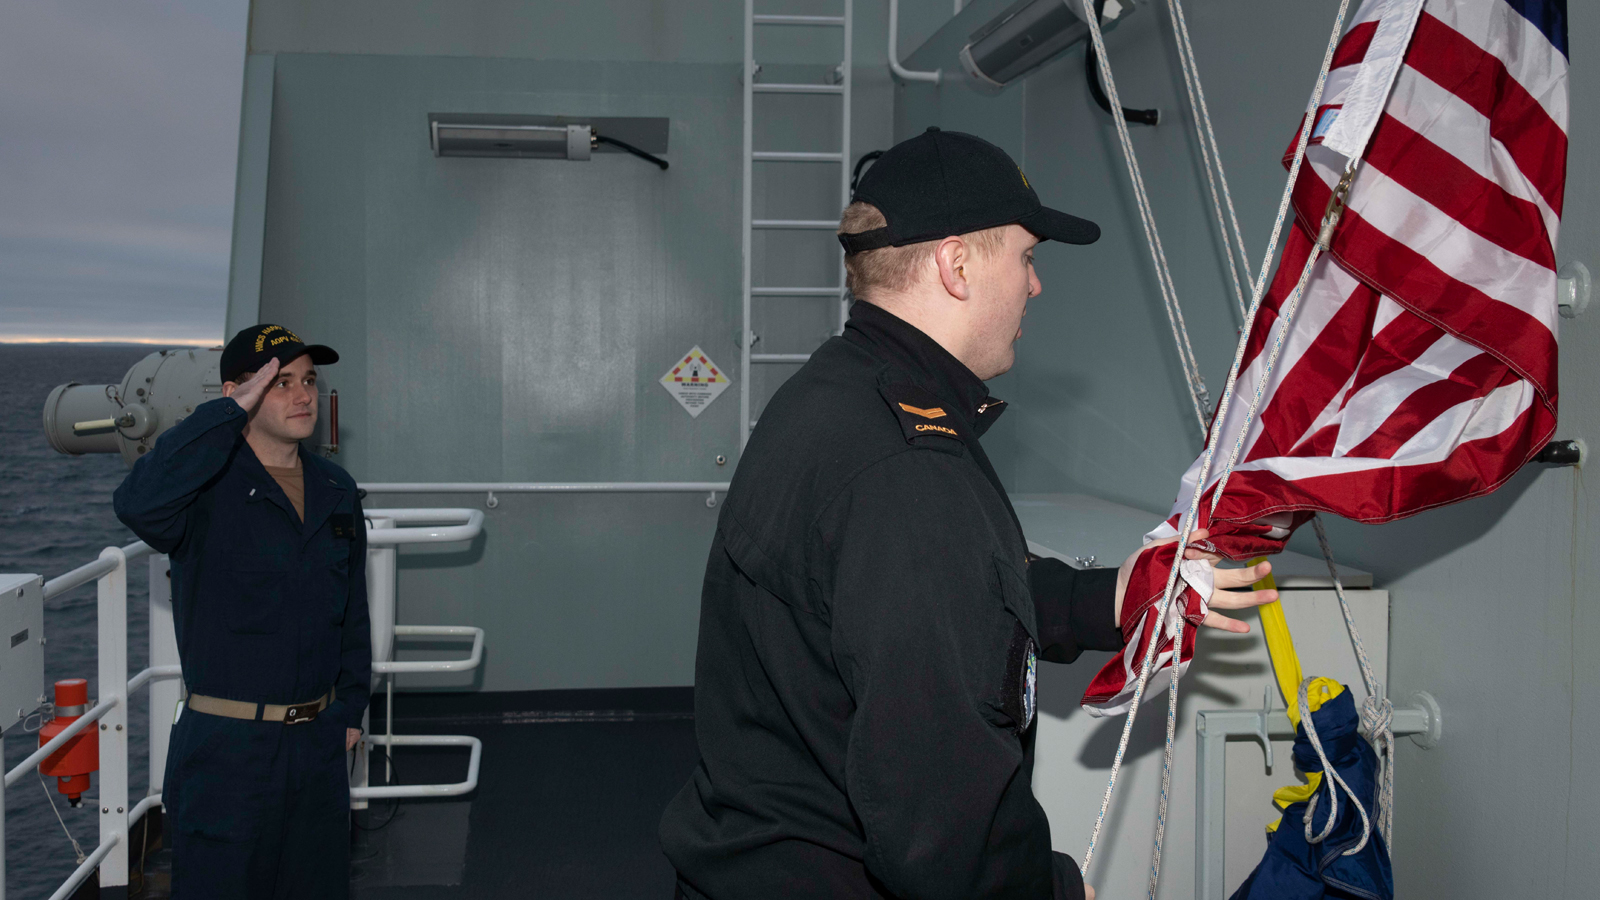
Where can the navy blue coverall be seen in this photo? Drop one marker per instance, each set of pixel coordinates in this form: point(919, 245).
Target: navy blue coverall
point(268, 609)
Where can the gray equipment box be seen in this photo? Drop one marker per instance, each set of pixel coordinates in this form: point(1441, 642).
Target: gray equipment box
point(21, 647)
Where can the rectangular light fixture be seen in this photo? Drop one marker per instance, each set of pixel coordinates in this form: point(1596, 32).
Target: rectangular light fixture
point(520, 141)
point(539, 137)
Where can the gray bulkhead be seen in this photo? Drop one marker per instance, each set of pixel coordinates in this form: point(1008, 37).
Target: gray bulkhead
point(507, 320)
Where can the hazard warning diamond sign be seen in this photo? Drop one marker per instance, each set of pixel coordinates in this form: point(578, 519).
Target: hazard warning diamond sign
point(694, 380)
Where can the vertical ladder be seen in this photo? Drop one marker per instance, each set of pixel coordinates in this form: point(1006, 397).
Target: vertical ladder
point(747, 359)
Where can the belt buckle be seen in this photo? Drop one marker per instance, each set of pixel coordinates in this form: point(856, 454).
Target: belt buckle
point(295, 715)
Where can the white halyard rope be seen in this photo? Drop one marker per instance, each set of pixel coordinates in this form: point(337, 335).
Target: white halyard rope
point(1191, 516)
point(1332, 778)
point(1198, 395)
point(76, 847)
point(1211, 157)
point(1377, 711)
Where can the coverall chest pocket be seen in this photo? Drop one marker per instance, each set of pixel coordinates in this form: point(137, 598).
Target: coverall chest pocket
point(336, 573)
point(1015, 677)
point(256, 603)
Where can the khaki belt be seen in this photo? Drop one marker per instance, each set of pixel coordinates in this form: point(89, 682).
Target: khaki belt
point(292, 714)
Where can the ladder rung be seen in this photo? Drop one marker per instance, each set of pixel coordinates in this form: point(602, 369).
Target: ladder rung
point(798, 88)
point(797, 224)
point(779, 357)
point(795, 291)
point(800, 20)
point(780, 156)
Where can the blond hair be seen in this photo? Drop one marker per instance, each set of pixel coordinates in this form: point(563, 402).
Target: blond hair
point(895, 269)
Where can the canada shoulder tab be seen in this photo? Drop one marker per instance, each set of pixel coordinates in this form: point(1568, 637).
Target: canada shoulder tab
point(924, 418)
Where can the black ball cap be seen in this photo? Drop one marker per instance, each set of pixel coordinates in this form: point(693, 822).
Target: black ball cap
point(251, 348)
point(942, 183)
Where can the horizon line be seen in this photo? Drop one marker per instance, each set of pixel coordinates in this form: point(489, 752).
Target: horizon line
point(57, 339)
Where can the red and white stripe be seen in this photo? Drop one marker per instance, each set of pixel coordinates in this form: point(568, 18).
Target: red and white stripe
point(1420, 368)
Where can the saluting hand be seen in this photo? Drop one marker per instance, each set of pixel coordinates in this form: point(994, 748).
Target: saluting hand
point(249, 394)
point(1225, 580)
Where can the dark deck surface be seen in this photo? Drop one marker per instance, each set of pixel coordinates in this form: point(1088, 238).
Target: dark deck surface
point(570, 792)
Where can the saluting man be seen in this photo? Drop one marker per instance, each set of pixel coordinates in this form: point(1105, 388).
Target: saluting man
point(268, 549)
point(871, 620)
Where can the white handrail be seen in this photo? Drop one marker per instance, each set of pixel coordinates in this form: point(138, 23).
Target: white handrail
point(153, 673)
point(901, 72)
point(110, 570)
point(78, 577)
point(447, 525)
point(435, 665)
point(142, 807)
point(82, 871)
point(490, 488)
point(84, 721)
point(424, 790)
point(91, 571)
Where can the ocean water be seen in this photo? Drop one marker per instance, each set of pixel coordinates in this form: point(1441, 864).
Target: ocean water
point(55, 515)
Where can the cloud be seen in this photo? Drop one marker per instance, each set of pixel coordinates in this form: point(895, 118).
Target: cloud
point(117, 166)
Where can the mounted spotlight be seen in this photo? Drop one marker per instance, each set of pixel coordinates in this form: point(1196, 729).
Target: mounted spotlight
point(1026, 36)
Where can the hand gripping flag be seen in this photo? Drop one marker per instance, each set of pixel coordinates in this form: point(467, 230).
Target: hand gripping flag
point(1420, 367)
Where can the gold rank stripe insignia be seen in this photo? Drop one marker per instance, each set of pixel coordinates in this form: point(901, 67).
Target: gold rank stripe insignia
point(933, 413)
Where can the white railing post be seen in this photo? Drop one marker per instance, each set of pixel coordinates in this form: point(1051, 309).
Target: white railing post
point(2, 840)
point(382, 562)
point(164, 692)
point(113, 676)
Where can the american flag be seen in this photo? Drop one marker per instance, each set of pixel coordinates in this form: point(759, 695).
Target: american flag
point(1420, 367)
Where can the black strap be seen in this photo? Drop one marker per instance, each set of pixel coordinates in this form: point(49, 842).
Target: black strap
point(859, 241)
point(1091, 71)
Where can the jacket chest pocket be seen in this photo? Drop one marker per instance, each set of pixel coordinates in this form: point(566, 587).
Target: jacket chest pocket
point(256, 603)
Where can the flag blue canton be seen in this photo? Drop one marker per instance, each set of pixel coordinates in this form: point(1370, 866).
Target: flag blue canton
point(1549, 16)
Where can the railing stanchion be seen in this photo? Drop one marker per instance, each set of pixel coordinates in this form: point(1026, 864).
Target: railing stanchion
point(163, 652)
point(2, 835)
point(113, 678)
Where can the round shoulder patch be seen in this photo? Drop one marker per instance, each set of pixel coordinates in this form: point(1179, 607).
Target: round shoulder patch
point(1029, 683)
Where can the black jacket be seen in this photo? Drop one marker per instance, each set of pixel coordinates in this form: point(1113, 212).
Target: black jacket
point(868, 628)
point(267, 609)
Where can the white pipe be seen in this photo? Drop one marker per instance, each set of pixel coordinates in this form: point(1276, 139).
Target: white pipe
point(82, 871)
point(463, 525)
point(151, 674)
point(435, 665)
point(143, 807)
point(847, 71)
point(747, 188)
point(901, 72)
point(425, 790)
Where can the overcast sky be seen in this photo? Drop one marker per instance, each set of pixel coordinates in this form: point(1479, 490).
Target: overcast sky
point(119, 128)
